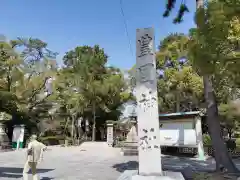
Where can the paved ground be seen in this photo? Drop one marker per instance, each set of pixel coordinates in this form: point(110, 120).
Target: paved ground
point(88, 162)
point(91, 161)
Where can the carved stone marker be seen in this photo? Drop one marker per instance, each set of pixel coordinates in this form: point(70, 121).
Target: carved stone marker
point(149, 151)
point(110, 134)
point(147, 105)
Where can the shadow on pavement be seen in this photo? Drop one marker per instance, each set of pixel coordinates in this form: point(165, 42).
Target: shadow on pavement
point(188, 167)
point(12, 172)
point(130, 165)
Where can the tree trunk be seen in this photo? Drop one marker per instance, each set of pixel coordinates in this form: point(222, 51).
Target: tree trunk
point(80, 133)
point(177, 102)
point(66, 126)
point(220, 150)
point(94, 124)
point(72, 133)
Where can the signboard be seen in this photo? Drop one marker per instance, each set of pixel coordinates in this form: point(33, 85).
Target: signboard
point(178, 137)
point(177, 134)
point(18, 134)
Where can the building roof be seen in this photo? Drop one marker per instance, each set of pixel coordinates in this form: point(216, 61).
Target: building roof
point(180, 114)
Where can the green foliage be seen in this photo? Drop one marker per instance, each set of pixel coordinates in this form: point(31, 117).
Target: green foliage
point(214, 54)
point(231, 144)
point(229, 116)
point(205, 176)
point(214, 44)
point(5, 116)
point(88, 88)
point(52, 140)
point(25, 65)
point(238, 142)
point(182, 10)
point(179, 88)
point(100, 88)
point(207, 140)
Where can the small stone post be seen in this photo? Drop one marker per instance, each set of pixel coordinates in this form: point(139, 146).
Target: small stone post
point(110, 134)
point(198, 129)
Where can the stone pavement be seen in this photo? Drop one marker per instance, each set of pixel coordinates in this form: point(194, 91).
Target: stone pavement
point(90, 161)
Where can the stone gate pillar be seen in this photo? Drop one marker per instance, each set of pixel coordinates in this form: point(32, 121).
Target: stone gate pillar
point(109, 134)
point(149, 151)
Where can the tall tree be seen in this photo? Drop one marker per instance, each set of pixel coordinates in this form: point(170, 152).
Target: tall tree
point(217, 48)
point(24, 76)
point(229, 118)
point(10, 72)
point(39, 67)
point(178, 84)
point(101, 88)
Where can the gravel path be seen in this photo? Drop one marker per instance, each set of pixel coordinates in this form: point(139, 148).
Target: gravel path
point(90, 161)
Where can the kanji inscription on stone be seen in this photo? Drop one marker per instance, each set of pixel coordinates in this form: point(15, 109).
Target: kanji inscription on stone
point(145, 45)
point(147, 101)
point(145, 73)
point(147, 104)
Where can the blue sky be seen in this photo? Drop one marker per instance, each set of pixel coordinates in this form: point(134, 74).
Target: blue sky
point(67, 24)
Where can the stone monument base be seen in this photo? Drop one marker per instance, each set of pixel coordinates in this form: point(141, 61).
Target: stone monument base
point(167, 175)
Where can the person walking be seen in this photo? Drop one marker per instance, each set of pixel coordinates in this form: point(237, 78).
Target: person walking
point(34, 156)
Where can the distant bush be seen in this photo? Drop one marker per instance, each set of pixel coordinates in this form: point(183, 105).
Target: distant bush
point(231, 144)
point(202, 176)
point(50, 133)
point(121, 138)
point(238, 142)
point(51, 140)
point(207, 140)
point(119, 144)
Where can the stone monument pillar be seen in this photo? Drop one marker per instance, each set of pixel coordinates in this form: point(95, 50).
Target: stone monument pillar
point(110, 134)
point(198, 129)
point(147, 105)
point(149, 151)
